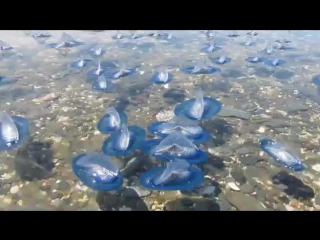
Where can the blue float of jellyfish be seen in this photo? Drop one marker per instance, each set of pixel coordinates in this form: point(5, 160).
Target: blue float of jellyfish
point(118, 36)
point(7, 81)
point(102, 85)
point(233, 34)
point(315, 80)
point(162, 76)
point(281, 155)
point(5, 47)
point(267, 51)
point(81, 62)
point(112, 121)
point(13, 131)
point(175, 145)
point(188, 127)
point(274, 63)
point(40, 36)
point(211, 47)
point(96, 71)
point(97, 172)
point(200, 68)
point(116, 73)
point(198, 108)
point(254, 59)
point(178, 175)
point(248, 43)
point(221, 60)
point(66, 41)
point(124, 141)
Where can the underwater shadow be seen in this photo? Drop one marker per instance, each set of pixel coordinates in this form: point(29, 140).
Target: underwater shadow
point(220, 130)
point(174, 95)
point(191, 204)
point(263, 72)
point(295, 187)
point(117, 201)
point(220, 85)
point(232, 73)
point(120, 104)
point(34, 161)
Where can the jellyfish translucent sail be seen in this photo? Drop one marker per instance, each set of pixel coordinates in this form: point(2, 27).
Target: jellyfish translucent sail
point(197, 108)
point(102, 82)
point(114, 117)
point(106, 172)
point(99, 69)
point(177, 169)
point(176, 143)
point(275, 62)
point(222, 59)
point(81, 61)
point(123, 139)
point(97, 50)
point(9, 131)
point(184, 125)
point(163, 74)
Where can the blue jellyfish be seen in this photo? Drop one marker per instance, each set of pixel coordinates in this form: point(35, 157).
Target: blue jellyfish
point(124, 141)
point(202, 67)
point(268, 50)
point(96, 72)
point(97, 171)
point(279, 153)
point(274, 63)
point(233, 34)
point(162, 76)
point(81, 62)
point(7, 81)
point(111, 121)
point(4, 46)
point(118, 36)
point(283, 41)
point(135, 35)
point(255, 59)
point(315, 80)
point(248, 43)
point(175, 145)
point(102, 85)
point(13, 131)
point(252, 33)
point(188, 127)
point(66, 41)
point(162, 35)
point(40, 36)
point(121, 72)
point(178, 175)
point(221, 60)
point(97, 51)
point(198, 108)
point(211, 47)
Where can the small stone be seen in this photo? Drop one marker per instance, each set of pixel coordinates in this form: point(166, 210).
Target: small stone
point(233, 186)
point(316, 167)
point(289, 208)
point(243, 202)
point(207, 191)
point(14, 189)
point(247, 188)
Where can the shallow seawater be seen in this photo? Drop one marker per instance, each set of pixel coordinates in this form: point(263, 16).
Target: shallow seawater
point(258, 101)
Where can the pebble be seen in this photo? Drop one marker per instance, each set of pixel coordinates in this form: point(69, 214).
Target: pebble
point(14, 190)
point(247, 188)
point(289, 208)
point(243, 202)
point(233, 186)
point(316, 167)
point(207, 191)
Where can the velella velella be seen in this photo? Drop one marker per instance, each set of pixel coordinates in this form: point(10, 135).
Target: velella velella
point(268, 50)
point(81, 62)
point(189, 128)
point(66, 41)
point(122, 71)
point(274, 62)
point(211, 47)
point(101, 84)
point(4, 46)
point(40, 36)
point(13, 131)
point(221, 60)
point(281, 155)
point(252, 33)
point(96, 71)
point(97, 171)
point(201, 67)
point(198, 108)
point(249, 42)
point(96, 50)
point(255, 59)
point(233, 34)
point(111, 121)
point(162, 76)
point(178, 175)
point(5, 81)
point(175, 145)
point(124, 141)
point(118, 36)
